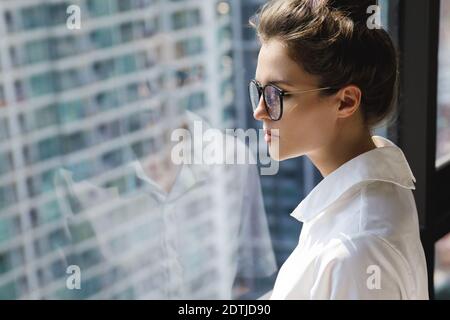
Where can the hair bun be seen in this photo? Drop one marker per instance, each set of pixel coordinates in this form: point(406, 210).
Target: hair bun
point(355, 9)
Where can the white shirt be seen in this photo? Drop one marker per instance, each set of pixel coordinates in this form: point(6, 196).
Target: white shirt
point(360, 235)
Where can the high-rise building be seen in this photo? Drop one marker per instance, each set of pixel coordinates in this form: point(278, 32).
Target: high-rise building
point(77, 106)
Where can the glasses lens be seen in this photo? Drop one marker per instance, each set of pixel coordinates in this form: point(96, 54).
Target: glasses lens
point(273, 101)
point(254, 95)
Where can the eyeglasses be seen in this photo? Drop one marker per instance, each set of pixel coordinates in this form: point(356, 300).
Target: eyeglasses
point(273, 97)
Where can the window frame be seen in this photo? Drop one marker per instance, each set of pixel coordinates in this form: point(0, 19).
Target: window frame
point(419, 23)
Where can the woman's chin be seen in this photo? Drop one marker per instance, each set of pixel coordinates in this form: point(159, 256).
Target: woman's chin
point(275, 153)
point(279, 155)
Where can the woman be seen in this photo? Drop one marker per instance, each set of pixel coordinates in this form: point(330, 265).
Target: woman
point(324, 80)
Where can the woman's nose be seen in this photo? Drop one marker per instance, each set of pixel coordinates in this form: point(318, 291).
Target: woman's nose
point(260, 112)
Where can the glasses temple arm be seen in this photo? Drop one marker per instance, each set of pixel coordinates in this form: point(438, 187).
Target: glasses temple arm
point(304, 91)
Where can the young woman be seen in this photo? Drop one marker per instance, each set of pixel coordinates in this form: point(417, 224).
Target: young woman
point(324, 80)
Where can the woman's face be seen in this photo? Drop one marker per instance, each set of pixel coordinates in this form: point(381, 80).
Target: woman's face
point(309, 121)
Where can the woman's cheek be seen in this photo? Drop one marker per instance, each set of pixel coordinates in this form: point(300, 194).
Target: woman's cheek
point(293, 142)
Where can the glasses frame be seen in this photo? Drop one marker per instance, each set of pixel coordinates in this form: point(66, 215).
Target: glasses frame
point(281, 94)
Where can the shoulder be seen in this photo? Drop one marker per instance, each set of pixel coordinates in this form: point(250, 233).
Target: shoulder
point(359, 250)
point(388, 209)
point(362, 266)
point(387, 195)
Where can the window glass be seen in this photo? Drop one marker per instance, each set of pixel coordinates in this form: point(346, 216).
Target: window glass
point(443, 118)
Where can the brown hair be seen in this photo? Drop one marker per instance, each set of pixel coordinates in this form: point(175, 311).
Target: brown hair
point(330, 39)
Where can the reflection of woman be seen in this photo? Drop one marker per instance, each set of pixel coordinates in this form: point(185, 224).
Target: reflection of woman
point(324, 80)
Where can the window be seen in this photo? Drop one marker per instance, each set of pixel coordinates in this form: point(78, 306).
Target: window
point(106, 100)
point(4, 130)
point(126, 64)
point(37, 51)
point(89, 144)
point(193, 102)
point(6, 164)
point(43, 84)
point(126, 31)
point(443, 120)
point(47, 213)
point(441, 277)
point(102, 38)
point(7, 196)
point(9, 21)
point(43, 118)
point(189, 47)
point(108, 131)
point(224, 35)
point(124, 5)
point(99, 8)
point(2, 100)
point(190, 75)
point(49, 148)
point(71, 111)
point(74, 142)
point(103, 69)
point(9, 227)
point(186, 19)
point(113, 158)
point(33, 17)
point(19, 90)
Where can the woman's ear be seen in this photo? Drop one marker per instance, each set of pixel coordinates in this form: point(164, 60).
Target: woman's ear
point(350, 100)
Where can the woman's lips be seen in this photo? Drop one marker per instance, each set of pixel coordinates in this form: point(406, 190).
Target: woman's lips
point(268, 135)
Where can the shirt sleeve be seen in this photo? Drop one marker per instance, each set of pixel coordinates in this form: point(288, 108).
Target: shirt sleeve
point(363, 268)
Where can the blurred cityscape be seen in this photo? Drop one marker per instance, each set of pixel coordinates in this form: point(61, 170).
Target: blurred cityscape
point(83, 113)
point(443, 120)
point(442, 263)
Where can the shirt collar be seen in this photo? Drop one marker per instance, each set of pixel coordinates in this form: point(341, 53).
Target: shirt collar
point(385, 163)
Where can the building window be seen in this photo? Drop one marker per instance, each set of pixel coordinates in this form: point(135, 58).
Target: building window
point(186, 19)
point(189, 47)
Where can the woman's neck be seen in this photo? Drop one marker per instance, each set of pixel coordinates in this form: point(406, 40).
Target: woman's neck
point(343, 148)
